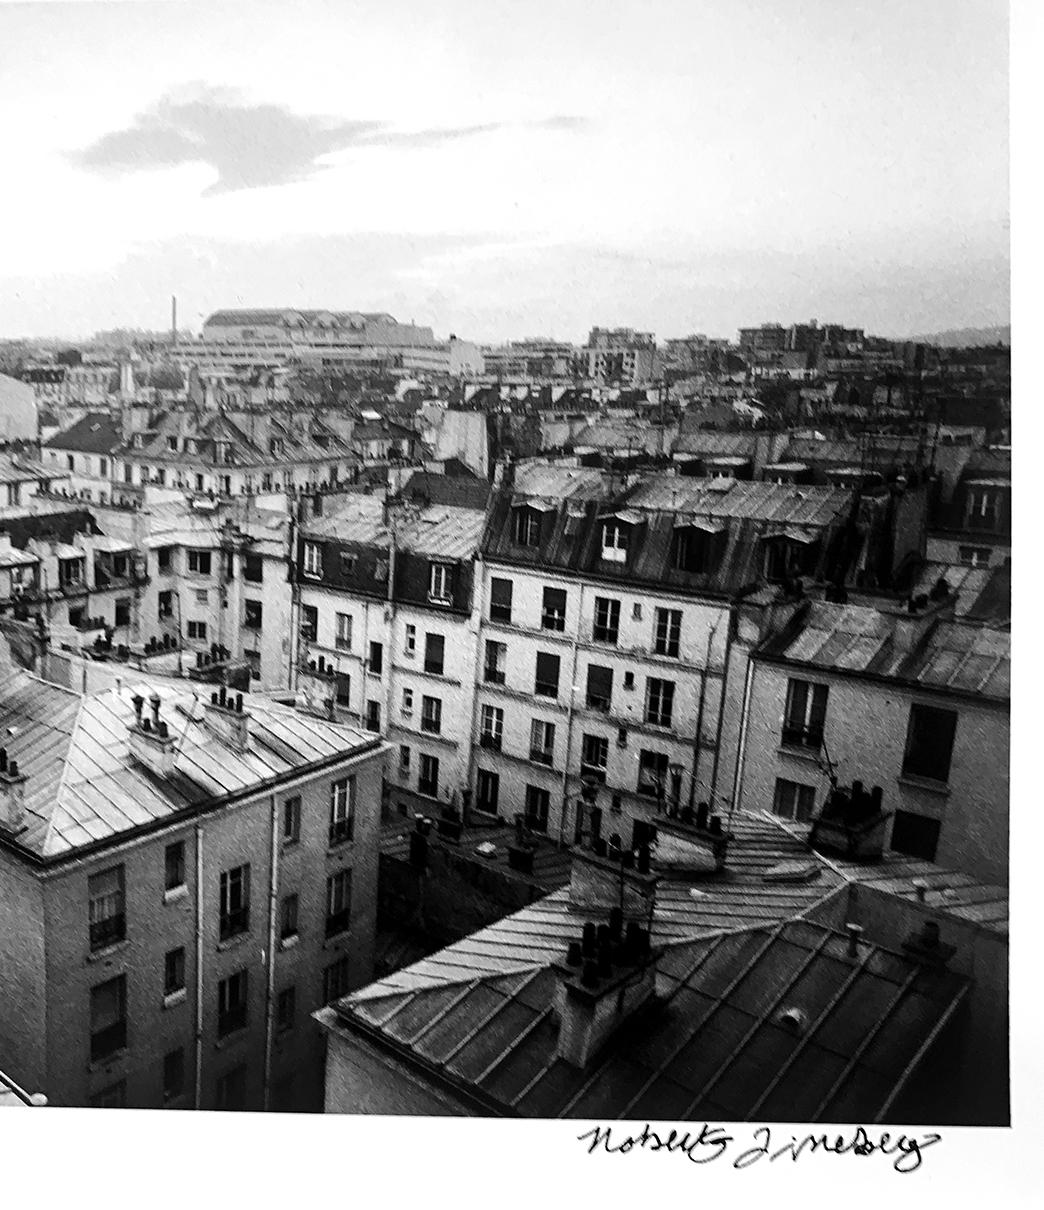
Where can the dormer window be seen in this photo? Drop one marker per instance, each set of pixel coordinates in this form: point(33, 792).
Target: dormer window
point(788, 554)
point(172, 444)
point(983, 509)
point(313, 560)
point(527, 527)
point(695, 545)
point(440, 584)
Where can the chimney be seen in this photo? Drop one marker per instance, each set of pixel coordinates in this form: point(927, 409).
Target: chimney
point(151, 742)
point(690, 842)
point(604, 875)
point(12, 794)
point(228, 720)
point(927, 946)
point(605, 978)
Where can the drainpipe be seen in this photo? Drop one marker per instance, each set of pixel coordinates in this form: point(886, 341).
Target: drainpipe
point(273, 901)
point(721, 704)
point(741, 756)
point(199, 966)
point(569, 719)
point(699, 715)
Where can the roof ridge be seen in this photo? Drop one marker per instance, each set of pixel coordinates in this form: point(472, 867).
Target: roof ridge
point(45, 847)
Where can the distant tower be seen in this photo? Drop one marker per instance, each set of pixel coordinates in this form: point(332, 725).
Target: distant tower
point(174, 321)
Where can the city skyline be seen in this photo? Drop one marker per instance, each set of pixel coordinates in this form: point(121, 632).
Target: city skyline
point(483, 178)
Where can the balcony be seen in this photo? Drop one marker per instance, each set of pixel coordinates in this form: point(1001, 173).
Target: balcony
point(233, 923)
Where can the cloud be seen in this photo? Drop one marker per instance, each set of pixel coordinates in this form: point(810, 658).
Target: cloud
point(255, 146)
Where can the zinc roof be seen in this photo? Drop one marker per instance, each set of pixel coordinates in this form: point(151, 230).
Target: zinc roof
point(780, 502)
point(83, 784)
point(439, 530)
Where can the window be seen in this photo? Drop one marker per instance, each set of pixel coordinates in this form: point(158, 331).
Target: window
point(434, 653)
point(538, 807)
point(440, 584)
point(122, 612)
point(165, 602)
point(108, 1018)
point(606, 620)
point(288, 917)
point(107, 918)
point(335, 980)
point(805, 715)
point(253, 569)
point(313, 560)
point(309, 623)
point(286, 1009)
point(174, 866)
point(793, 800)
point(373, 715)
point(174, 971)
point(428, 781)
point(253, 658)
point(553, 615)
point(929, 743)
point(342, 810)
point(230, 1090)
point(915, 835)
point(693, 549)
point(70, 462)
point(410, 644)
point(667, 632)
point(599, 687)
point(70, 572)
point(431, 715)
point(197, 630)
point(652, 773)
point(488, 792)
point(615, 540)
point(202, 596)
point(547, 670)
point(404, 758)
point(491, 728)
point(343, 632)
point(343, 690)
point(594, 757)
point(172, 444)
point(199, 483)
point(407, 703)
point(292, 819)
point(114, 1096)
point(173, 1073)
point(232, 1003)
point(659, 702)
point(347, 563)
point(338, 902)
point(974, 556)
point(199, 562)
point(252, 615)
point(163, 559)
point(377, 658)
point(500, 593)
point(494, 671)
point(527, 527)
point(983, 509)
point(235, 901)
point(542, 742)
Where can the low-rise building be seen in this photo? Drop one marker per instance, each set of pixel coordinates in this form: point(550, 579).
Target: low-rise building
point(185, 879)
point(84, 453)
point(18, 410)
point(908, 700)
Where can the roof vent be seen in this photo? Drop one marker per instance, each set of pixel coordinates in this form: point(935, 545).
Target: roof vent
point(793, 1019)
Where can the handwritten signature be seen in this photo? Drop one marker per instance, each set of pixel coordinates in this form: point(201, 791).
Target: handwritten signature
point(712, 1143)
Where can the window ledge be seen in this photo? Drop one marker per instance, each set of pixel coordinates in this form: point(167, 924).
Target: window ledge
point(340, 849)
point(810, 754)
point(230, 943)
point(109, 951)
point(337, 939)
point(231, 1039)
point(173, 999)
point(926, 784)
point(175, 893)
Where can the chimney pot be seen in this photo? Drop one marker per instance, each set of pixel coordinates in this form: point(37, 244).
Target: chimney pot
point(615, 923)
point(590, 938)
point(921, 887)
point(930, 934)
point(239, 702)
point(596, 823)
point(575, 954)
point(3, 760)
point(854, 933)
point(702, 815)
point(589, 978)
point(12, 769)
point(715, 824)
point(644, 860)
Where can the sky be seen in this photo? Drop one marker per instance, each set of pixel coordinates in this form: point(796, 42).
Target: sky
point(499, 170)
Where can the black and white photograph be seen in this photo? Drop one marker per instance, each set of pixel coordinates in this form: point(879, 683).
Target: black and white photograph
point(506, 578)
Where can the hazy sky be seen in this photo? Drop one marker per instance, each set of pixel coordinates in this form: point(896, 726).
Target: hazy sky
point(502, 169)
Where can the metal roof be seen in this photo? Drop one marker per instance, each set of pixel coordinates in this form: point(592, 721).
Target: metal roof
point(781, 502)
point(439, 530)
point(83, 785)
point(710, 1045)
point(95, 433)
point(559, 482)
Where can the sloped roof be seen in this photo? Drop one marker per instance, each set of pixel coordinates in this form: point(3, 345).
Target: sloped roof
point(83, 784)
point(947, 655)
point(709, 1046)
point(437, 529)
point(96, 433)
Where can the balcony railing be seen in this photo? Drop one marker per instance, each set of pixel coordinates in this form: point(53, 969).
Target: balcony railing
point(489, 739)
point(595, 701)
point(235, 922)
point(540, 757)
point(337, 922)
point(232, 1019)
point(493, 676)
point(108, 931)
point(341, 830)
point(107, 1041)
point(802, 737)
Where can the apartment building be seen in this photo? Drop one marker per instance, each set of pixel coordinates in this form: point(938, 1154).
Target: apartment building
point(972, 525)
point(619, 355)
point(219, 577)
point(609, 650)
point(84, 453)
point(388, 636)
point(185, 879)
point(229, 454)
point(23, 479)
point(908, 700)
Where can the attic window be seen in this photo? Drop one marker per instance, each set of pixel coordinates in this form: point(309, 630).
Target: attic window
point(693, 549)
point(616, 538)
point(527, 527)
point(440, 584)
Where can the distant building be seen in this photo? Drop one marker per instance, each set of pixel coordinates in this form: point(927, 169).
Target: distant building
point(620, 355)
point(185, 881)
point(84, 452)
point(18, 408)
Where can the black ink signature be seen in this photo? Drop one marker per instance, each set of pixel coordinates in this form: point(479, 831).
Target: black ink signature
point(710, 1143)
